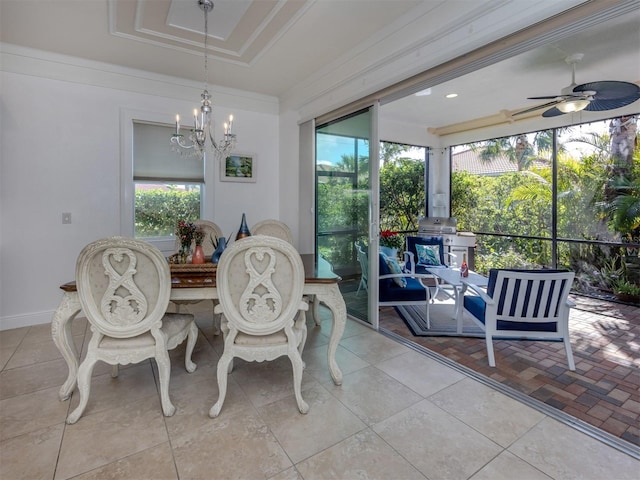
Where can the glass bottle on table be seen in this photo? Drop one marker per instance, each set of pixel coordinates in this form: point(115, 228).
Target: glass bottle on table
point(464, 269)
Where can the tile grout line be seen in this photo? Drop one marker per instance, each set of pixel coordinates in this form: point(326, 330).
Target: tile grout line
point(558, 415)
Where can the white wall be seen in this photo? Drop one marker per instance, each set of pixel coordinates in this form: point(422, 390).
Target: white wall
point(61, 153)
point(60, 143)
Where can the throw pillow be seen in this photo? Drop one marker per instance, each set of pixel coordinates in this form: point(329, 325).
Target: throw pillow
point(428, 255)
point(392, 263)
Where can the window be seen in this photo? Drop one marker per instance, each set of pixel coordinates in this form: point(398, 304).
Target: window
point(577, 209)
point(168, 187)
point(402, 186)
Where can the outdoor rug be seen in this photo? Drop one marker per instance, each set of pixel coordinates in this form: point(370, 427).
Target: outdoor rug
point(442, 321)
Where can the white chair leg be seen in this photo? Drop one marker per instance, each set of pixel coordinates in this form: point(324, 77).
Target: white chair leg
point(303, 341)
point(223, 367)
point(567, 347)
point(490, 354)
point(426, 308)
point(297, 365)
point(164, 371)
point(84, 388)
point(191, 343)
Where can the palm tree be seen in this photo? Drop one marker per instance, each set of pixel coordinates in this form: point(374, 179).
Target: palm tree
point(519, 150)
point(624, 140)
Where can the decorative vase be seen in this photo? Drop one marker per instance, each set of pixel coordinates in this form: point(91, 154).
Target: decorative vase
point(222, 244)
point(185, 252)
point(198, 255)
point(244, 230)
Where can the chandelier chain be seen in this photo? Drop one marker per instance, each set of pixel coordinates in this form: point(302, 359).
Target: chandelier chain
point(206, 50)
point(201, 137)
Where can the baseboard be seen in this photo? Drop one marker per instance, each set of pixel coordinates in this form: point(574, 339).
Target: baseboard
point(26, 320)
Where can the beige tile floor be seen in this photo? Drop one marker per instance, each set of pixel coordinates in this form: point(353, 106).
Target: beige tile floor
point(398, 415)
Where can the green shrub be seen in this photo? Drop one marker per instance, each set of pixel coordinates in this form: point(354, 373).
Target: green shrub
point(158, 211)
point(626, 287)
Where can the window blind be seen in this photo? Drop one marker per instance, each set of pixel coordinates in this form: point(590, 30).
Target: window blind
point(153, 158)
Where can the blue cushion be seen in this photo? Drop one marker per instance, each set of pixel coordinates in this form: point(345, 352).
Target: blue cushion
point(383, 269)
point(413, 292)
point(475, 306)
point(428, 255)
point(394, 268)
point(388, 251)
point(413, 241)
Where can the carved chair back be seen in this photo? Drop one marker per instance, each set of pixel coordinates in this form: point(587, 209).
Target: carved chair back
point(273, 228)
point(124, 286)
point(260, 283)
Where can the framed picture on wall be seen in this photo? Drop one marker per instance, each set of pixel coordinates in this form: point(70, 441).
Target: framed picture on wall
point(238, 167)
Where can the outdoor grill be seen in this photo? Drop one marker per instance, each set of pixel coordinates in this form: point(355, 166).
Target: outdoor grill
point(456, 243)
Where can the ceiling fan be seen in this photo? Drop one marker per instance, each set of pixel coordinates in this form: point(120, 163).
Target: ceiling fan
point(592, 96)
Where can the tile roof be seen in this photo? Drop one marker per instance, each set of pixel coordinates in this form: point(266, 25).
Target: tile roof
point(469, 161)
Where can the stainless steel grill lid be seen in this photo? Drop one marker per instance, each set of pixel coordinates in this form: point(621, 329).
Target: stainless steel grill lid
point(437, 225)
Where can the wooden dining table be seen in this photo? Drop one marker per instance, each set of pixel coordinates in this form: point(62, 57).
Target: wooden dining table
point(197, 284)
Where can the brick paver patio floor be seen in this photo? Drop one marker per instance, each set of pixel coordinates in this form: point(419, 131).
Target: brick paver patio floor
point(604, 391)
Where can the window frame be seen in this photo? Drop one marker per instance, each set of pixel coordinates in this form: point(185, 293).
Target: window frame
point(127, 183)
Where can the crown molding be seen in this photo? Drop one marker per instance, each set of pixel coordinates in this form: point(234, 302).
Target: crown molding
point(26, 61)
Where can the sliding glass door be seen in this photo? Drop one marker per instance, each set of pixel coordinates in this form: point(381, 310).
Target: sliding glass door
point(345, 205)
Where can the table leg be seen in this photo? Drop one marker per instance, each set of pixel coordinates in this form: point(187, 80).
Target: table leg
point(315, 310)
point(61, 332)
point(459, 298)
point(332, 298)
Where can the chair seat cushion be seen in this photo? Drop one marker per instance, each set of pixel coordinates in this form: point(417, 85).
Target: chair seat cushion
point(277, 338)
point(413, 292)
point(476, 307)
point(172, 324)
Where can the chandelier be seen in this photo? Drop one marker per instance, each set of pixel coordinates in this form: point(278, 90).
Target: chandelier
point(201, 137)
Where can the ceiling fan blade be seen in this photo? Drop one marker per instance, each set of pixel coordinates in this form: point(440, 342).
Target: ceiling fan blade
point(537, 107)
point(609, 90)
point(548, 97)
point(552, 112)
point(598, 105)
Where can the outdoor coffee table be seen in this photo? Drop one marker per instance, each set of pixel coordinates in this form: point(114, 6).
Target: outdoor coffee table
point(452, 277)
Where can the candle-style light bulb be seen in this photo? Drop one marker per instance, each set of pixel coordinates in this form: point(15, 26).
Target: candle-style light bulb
point(226, 129)
point(195, 118)
point(230, 123)
point(177, 124)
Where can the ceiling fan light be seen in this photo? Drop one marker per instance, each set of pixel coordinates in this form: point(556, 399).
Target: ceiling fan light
point(572, 106)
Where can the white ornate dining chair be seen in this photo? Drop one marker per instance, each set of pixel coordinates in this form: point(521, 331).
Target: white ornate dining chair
point(260, 282)
point(278, 229)
point(273, 228)
point(124, 286)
